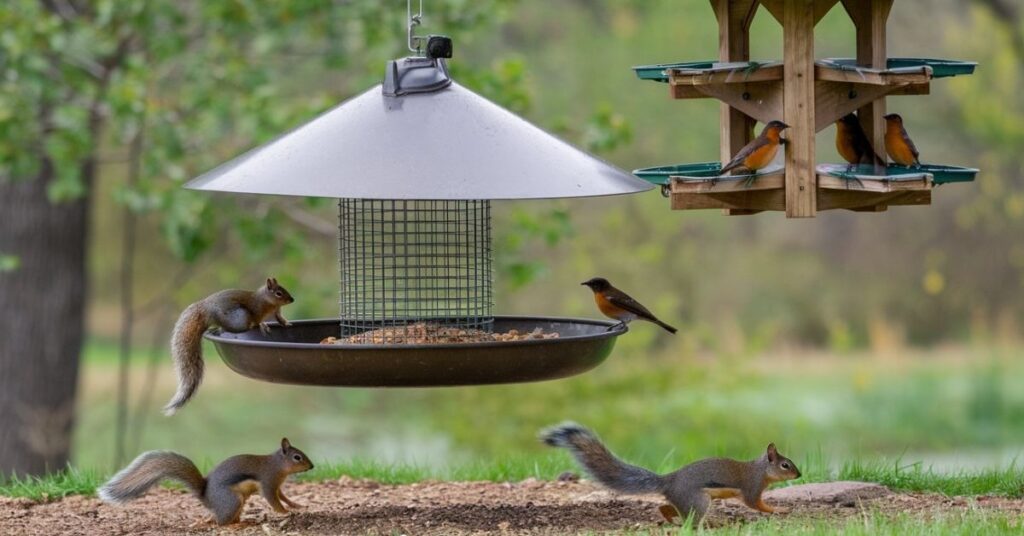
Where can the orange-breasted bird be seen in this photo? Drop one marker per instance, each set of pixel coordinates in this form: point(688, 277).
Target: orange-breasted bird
point(620, 306)
point(760, 152)
point(898, 144)
point(853, 144)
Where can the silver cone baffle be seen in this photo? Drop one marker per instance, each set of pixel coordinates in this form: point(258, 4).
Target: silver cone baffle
point(449, 143)
point(415, 163)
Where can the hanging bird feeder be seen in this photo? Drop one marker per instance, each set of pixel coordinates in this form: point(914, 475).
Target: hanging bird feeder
point(415, 163)
point(810, 96)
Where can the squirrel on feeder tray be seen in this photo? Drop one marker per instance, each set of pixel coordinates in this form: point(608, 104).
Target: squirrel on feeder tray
point(689, 490)
point(224, 490)
point(232, 310)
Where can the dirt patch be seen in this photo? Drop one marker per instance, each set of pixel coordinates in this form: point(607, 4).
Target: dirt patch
point(528, 507)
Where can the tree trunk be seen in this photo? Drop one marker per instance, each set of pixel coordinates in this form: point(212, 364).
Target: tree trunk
point(43, 308)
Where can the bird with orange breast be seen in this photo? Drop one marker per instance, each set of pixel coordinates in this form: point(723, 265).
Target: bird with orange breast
point(853, 144)
point(618, 305)
point(760, 152)
point(898, 143)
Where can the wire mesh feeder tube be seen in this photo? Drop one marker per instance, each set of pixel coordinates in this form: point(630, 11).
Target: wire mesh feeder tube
point(414, 271)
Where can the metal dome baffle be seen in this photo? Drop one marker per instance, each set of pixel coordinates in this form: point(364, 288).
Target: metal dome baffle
point(415, 163)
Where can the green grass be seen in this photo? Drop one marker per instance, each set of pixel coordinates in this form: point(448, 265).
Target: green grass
point(71, 481)
point(915, 477)
point(973, 522)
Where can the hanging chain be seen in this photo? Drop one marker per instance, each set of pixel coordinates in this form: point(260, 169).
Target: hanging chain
point(415, 42)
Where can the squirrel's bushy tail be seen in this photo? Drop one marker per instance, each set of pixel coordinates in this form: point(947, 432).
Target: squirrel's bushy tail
point(148, 469)
point(599, 462)
point(187, 352)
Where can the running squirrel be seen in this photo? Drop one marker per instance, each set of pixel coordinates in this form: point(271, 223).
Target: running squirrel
point(689, 490)
point(223, 491)
point(231, 310)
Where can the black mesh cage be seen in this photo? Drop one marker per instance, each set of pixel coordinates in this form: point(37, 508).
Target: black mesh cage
point(406, 263)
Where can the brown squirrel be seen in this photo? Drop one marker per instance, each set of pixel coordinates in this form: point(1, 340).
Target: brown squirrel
point(224, 490)
point(232, 310)
point(690, 489)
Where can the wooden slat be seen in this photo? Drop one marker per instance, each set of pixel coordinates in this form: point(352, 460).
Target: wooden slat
point(734, 19)
point(685, 77)
point(853, 199)
point(686, 92)
point(798, 107)
point(750, 200)
point(833, 100)
point(821, 8)
point(822, 72)
point(869, 17)
point(764, 182)
point(830, 182)
point(762, 101)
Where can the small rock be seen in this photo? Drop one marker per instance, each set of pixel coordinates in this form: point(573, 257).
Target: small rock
point(830, 492)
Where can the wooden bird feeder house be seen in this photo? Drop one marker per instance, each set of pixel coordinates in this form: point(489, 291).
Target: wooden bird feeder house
point(810, 96)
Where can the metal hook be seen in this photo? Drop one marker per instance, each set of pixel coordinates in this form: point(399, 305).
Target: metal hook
point(414, 21)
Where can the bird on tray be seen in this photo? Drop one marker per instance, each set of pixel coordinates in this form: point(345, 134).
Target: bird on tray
point(618, 305)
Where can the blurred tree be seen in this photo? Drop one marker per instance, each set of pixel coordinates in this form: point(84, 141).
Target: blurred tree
point(991, 111)
point(212, 78)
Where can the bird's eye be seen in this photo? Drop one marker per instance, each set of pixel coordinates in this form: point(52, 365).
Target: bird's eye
point(785, 465)
point(297, 457)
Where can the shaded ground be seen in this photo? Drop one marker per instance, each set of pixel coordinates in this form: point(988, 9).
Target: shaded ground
point(529, 507)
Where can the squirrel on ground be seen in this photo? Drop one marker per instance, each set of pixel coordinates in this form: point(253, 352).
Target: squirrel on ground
point(224, 490)
point(690, 489)
point(231, 310)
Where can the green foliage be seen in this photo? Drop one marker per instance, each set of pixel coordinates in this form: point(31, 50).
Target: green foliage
point(200, 82)
point(9, 263)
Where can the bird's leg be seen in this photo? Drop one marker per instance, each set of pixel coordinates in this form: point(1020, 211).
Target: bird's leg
point(612, 327)
point(749, 181)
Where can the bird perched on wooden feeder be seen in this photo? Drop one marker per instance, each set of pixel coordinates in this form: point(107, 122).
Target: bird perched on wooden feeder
point(618, 305)
point(898, 143)
point(853, 144)
point(760, 152)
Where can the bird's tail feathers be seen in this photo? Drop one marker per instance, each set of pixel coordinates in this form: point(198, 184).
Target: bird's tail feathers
point(665, 326)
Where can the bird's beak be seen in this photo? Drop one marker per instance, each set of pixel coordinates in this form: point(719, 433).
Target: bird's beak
point(583, 283)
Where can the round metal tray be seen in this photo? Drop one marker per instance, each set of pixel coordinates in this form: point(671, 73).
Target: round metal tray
point(294, 355)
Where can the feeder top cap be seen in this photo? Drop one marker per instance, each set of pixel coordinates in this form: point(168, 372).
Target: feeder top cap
point(438, 141)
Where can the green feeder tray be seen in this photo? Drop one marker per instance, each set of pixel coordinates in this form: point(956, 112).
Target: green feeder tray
point(659, 72)
point(894, 172)
point(940, 68)
point(696, 172)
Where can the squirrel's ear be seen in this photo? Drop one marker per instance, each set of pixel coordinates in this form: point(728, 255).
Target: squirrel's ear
point(270, 282)
point(285, 445)
point(773, 454)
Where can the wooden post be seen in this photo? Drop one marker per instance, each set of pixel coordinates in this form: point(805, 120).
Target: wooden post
point(869, 17)
point(798, 107)
point(734, 18)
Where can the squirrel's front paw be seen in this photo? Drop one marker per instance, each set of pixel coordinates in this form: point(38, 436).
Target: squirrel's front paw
point(264, 328)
